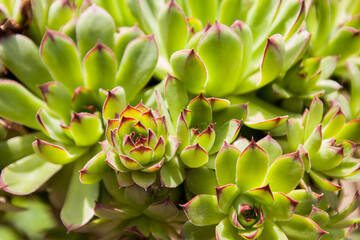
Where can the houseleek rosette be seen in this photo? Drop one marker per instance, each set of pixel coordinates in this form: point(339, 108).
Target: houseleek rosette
point(61, 99)
point(252, 200)
point(327, 143)
point(137, 146)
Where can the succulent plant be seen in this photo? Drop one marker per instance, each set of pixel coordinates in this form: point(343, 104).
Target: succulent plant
point(328, 145)
point(251, 202)
point(133, 136)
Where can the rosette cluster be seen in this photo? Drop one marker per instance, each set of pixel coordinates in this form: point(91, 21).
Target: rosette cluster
point(139, 145)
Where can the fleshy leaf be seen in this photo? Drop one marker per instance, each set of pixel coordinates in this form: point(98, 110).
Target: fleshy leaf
point(227, 132)
point(21, 56)
point(130, 163)
point(58, 99)
point(245, 34)
point(123, 38)
point(200, 111)
point(172, 173)
point(79, 204)
point(190, 69)
point(225, 160)
point(319, 216)
point(346, 211)
point(57, 154)
point(85, 128)
point(295, 135)
point(354, 73)
point(206, 139)
point(285, 181)
point(262, 195)
point(139, 226)
point(349, 131)
point(176, 96)
point(95, 169)
point(203, 210)
point(172, 28)
point(196, 184)
point(138, 63)
point(59, 14)
point(226, 196)
point(347, 35)
point(59, 54)
point(322, 182)
point(106, 212)
point(182, 132)
point(271, 147)
point(313, 143)
point(193, 232)
point(16, 148)
point(221, 49)
point(205, 12)
point(27, 175)
point(114, 104)
point(94, 24)
point(252, 167)
point(18, 104)
point(194, 156)
point(306, 200)
point(272, 231)
point(226, 231)
point(327, 158)
point(314, 117)
point(144, 179)
point(301, 228)
point(100, 68)
point(273, 60)
point(283, 207)
point(162, 211)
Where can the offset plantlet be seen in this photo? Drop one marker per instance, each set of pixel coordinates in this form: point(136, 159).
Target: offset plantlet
point(326, 145)
point(245, 206)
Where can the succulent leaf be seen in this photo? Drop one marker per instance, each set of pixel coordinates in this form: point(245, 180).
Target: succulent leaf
point(196, 184)
point(285, 181)
point(301, 228)
point(18, 177)
point(322, 182)
point(283, 207)
point(94, 24)
point(162, 211)
point(100, 68)
point(226, 195)
point(138, 63)
point(172, 173)
point(176, 96)
point(226, 159)
point(80, 200)
point(190, 69)
point(194, 156)
point(220, 49)
point(172, 28)
point(85, 128)
point(60, 56)
point(21, 109)
point(251, 167)
point(21, 56)
point(203, 210)
point(94, 170)
point(57, 154)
